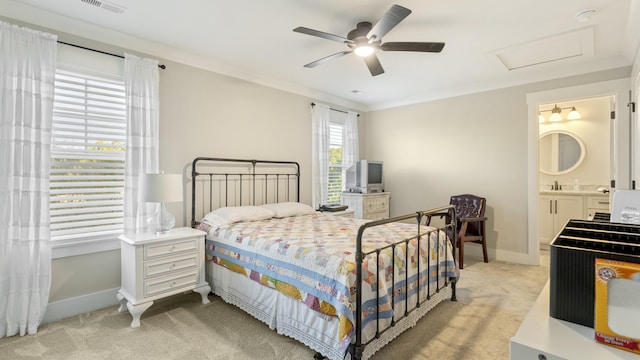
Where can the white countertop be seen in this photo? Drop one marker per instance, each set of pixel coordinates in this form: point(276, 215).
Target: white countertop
point(573, 192)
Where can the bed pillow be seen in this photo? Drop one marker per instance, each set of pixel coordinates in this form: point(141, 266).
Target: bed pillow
point(287, 209)
point(233, 214)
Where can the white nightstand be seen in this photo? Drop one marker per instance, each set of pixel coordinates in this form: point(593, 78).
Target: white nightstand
point(156, 266)
point(348, 213)
point(374, 206)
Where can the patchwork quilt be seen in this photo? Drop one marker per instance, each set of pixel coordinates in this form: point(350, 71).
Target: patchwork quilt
point(311, 258)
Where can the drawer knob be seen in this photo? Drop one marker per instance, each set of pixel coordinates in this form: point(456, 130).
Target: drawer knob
point(173, 283)
point(172, 248)
point(173, 266)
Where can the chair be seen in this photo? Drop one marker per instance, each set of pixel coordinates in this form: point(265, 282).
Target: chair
point(470, 222)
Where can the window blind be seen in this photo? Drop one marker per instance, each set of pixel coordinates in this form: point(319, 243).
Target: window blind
point(87, 156)
point(335, 162)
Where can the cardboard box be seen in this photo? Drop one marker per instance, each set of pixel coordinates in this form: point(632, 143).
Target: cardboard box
point(617, 304)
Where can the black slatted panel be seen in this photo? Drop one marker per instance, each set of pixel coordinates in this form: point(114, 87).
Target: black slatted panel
point(573, 253)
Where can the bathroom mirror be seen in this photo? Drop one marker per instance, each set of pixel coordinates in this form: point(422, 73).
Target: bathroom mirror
point(560, 152)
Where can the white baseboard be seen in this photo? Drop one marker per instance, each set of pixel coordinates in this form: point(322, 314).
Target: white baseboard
point(475, 251)
point(79, 305)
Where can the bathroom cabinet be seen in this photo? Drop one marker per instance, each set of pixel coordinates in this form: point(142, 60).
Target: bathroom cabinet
point(555, 208)
point(554, 211)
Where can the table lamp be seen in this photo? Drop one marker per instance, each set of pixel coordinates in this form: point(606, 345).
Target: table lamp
point(162, 188)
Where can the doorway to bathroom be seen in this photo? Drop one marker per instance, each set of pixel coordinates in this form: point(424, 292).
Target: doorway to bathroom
point(619, 141)
point(574, 159)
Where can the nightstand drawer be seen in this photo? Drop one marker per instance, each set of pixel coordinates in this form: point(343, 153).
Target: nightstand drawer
point(165, 266)
point(376, 204)
point(377, 215)
point(167, 248)
point(170, 283)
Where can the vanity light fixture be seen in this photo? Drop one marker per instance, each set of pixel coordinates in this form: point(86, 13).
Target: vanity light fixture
point(573, 114)
point(556, 114)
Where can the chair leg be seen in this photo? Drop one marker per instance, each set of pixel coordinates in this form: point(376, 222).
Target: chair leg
point(461, 255)
point(484, 250)
point(484, 243)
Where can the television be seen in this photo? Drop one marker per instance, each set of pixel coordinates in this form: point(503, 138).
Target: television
point(365, 176)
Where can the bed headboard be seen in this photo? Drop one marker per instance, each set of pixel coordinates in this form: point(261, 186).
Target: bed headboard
point(219, 182)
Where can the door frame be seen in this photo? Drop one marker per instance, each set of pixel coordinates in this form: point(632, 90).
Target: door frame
point(621, 147)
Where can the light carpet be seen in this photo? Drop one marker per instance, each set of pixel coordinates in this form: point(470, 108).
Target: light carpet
point(493, 299)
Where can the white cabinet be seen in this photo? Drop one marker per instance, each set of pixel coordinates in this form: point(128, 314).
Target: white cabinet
point(553, 213)
point(156, 266)
point(368, 206)
point(596, 204)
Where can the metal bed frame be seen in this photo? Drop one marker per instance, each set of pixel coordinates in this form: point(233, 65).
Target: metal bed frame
point(247, 182)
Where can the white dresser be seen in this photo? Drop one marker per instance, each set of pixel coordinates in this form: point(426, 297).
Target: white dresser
point(156, 266)
point(368, 206)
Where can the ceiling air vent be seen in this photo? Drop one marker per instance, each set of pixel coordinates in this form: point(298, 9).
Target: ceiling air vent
point(106, 5)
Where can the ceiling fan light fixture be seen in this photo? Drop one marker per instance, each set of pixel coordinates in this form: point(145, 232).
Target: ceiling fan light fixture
point(364, 50)
point(573, 114)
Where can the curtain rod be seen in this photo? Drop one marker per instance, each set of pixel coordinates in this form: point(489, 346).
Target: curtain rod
point(161, 66)
point(342, 111)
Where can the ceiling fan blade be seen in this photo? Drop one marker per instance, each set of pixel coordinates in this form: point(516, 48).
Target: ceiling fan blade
point(390, 19)
point(320, 34)
point(327, 58)
point(413, 46)
point(374, 65)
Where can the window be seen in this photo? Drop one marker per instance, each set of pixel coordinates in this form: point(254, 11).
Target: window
point(336, 169)
point(87, 156)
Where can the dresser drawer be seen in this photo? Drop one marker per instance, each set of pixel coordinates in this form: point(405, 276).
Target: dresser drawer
point(162, 249)
point(376, 204)
point(168, 265)
point(598, 202)
point(171, 282)
point(376, 215)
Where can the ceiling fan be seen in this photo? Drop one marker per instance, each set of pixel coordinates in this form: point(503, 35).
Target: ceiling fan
point(366, 38)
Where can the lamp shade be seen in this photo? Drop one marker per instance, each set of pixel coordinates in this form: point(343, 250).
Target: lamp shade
point(555, 114)
point(573, 114)
point(163, 188)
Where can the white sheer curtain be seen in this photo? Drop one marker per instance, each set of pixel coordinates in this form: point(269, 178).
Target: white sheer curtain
point(320, 153)
point(27, 71)
point(143, 106)
point(350, 151)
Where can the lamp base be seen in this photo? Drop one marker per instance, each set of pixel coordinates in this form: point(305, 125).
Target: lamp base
point(161, 221)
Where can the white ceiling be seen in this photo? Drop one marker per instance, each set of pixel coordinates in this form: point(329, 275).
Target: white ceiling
point(489, 44)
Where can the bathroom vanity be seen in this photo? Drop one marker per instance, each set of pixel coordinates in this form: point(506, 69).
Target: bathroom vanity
point(556, 207)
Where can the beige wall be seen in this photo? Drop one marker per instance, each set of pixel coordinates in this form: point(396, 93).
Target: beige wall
point(469, 144)
point(207, 114)
point(76, 276)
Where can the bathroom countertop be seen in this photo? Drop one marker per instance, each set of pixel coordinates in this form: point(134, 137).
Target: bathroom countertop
point(573, 192)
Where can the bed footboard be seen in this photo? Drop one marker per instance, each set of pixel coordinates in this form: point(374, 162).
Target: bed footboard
point(448, 230)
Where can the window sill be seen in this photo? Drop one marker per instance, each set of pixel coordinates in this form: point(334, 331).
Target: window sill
point(62, 249)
